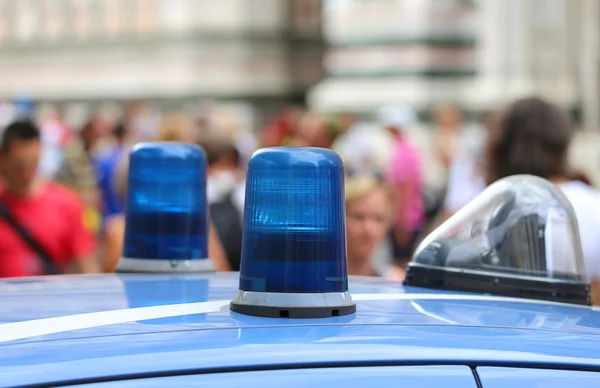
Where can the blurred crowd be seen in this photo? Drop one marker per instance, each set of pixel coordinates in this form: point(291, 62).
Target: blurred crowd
point(63, 188)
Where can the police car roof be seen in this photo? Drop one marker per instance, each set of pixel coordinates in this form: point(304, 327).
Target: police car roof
point(82, 329)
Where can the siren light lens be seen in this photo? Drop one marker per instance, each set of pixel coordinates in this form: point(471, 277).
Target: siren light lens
point(166, 208)
point(518, 238)
point(294, 237)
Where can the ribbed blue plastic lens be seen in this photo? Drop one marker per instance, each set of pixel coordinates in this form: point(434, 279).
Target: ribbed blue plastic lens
point(294, 222)
point(166, 209)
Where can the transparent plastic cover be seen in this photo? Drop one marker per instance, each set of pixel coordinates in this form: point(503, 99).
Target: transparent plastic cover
point(521, 226)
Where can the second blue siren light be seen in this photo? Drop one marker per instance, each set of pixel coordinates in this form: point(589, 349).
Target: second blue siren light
point(166, 217)
point(294, 240)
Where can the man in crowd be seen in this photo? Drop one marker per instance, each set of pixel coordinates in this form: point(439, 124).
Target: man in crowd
point(41, 224)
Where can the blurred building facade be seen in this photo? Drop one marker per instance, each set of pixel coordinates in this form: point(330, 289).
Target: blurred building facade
point(265, 52)
point(475, 53)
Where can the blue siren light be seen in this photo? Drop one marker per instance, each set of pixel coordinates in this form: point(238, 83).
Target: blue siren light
point(293, 261)
point(166, 217)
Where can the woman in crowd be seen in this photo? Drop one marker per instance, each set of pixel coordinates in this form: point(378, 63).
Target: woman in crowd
point(532, 136)
point(368, 219)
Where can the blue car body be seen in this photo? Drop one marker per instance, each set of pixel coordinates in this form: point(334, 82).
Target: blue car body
point(177, 330)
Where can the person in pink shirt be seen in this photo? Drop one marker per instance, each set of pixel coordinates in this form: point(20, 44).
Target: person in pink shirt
point(404, 176)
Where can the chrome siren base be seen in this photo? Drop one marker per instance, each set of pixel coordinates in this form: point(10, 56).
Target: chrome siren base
point(130, 265)
point(300, 305)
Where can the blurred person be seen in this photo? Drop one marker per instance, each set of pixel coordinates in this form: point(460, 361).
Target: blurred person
point(282, 130)
point(210, 119)
point(346, 120)
point(246, 144)
point(405, 178)
point(466, 173)
point(316, 130)
point(368, 219)
point(224, 165)
point(42, 228)
point(335, 125)
point(310, 127)
point(533, 136)
point(448, 137)
point(24, 107)
point(77, 170)
point(93, 132)
point(55, 133)
point(365, 144)
point(206, 118)
point(448, 127)
point(143, 121)
point(176, 126)
point(114, 235)
point(225, 192)
point(242, 136)
point(105, 170)
point(213, 119)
